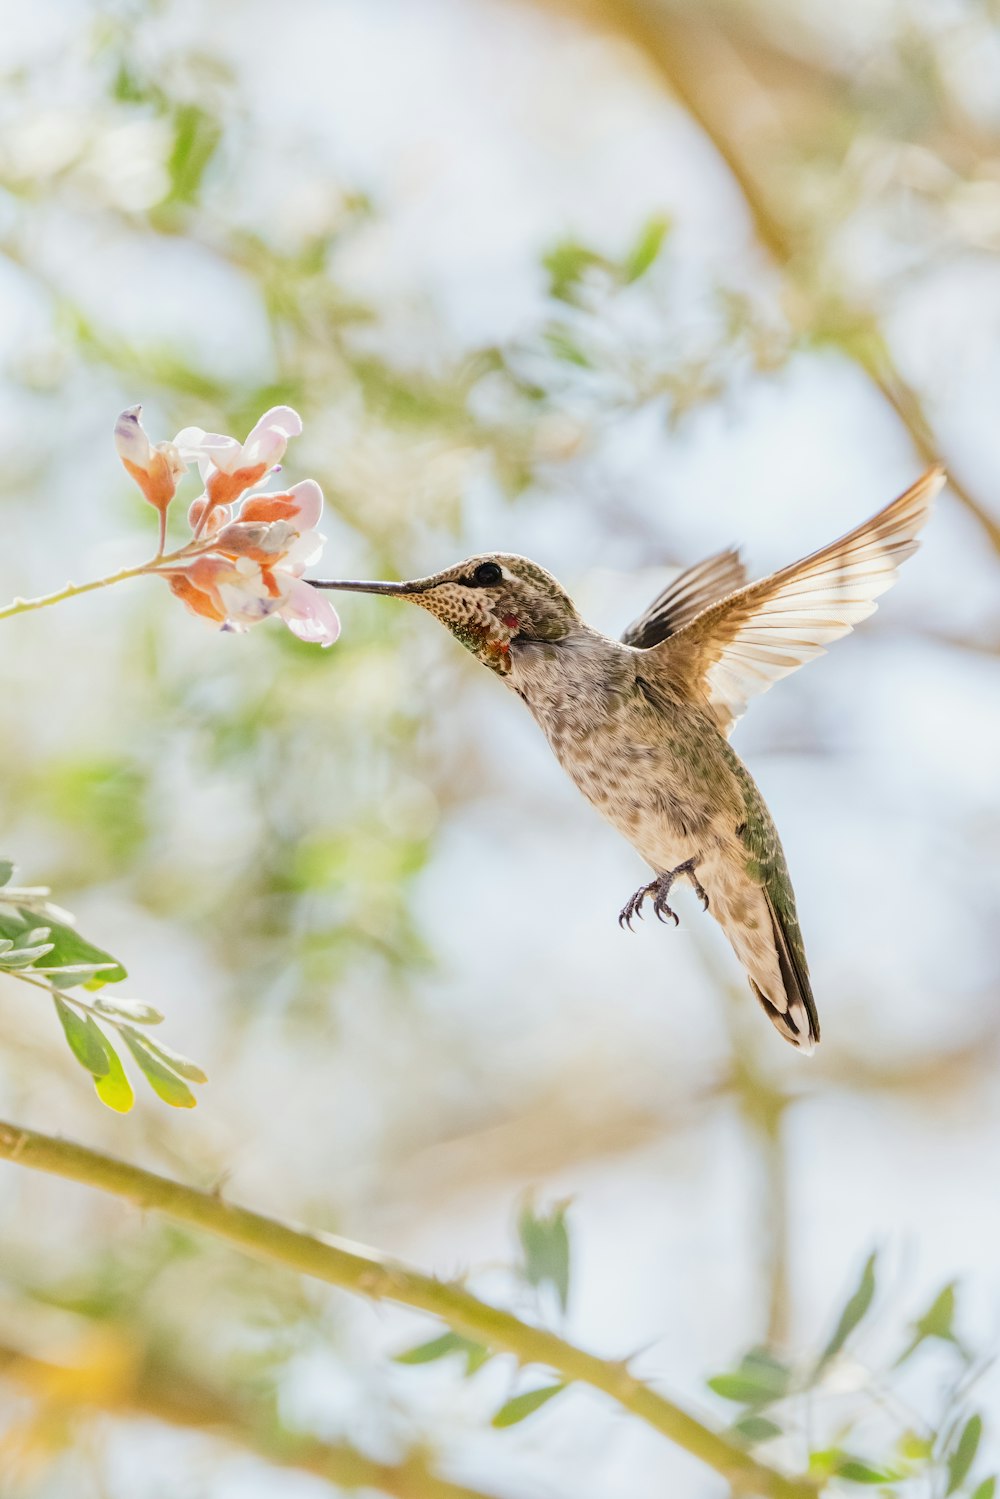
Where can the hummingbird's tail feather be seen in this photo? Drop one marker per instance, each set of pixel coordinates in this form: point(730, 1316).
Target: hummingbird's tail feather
point(792, 1012)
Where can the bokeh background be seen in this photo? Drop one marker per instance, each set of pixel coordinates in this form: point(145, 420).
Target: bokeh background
point(611, 285)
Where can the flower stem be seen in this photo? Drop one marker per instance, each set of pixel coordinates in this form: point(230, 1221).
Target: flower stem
point(71, 591)
point(74, 590)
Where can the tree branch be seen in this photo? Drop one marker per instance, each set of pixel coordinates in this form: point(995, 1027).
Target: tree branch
point(368, 1273)
point(707, 74)
point(145, 1392)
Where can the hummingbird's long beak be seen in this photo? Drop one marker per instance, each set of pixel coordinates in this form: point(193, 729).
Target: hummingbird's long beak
point(396, 590)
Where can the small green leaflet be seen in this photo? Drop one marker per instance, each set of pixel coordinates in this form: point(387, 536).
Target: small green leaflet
point(855, 1309)
point(646, 249)
point(521, 1406)
point(914, 1448)
point(128, 1009)
point(986, 1490)
point(175, 1060)
point(114, 1089)
point(567, 263)
point(936, 1322)
point(475, 1354)
point(963, 1453)
point(835, 1463)
point(760, 1379)
point(13, 958)
point(6, 871)
point(853, 1470)
point(164, 1082)
point(545, 1243)
point(86, 1040)
point(756, 1429)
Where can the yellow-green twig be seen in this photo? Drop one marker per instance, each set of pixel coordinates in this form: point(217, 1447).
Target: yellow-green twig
point(368, 1273)
point(71, 591)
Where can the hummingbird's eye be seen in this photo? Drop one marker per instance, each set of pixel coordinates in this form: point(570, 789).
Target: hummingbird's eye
point(486, 574)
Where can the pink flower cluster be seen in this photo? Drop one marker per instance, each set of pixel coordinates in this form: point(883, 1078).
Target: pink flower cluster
point(247, 552)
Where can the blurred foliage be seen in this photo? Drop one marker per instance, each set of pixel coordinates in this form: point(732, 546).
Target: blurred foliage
point(879, 1439)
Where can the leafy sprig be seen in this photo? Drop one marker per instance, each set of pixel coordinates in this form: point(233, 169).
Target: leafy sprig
point(40, 946)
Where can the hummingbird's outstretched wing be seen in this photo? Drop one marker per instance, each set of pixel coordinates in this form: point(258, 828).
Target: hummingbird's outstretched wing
point(739, 645)
point(683, 599)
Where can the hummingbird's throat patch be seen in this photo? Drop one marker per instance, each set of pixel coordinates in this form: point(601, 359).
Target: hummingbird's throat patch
point(492, 650)
point(471, 620)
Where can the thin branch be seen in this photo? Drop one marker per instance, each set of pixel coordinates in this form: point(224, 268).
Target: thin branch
point(71, 591)
point(368, 1273)
point(710, 79)
point(155, 567)
point(182, 1402)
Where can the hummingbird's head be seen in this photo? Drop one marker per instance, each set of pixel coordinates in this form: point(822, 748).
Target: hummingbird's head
point(486, 602)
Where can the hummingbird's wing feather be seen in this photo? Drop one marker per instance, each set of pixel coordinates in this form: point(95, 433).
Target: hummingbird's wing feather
point(683, 599)
point(740, 645)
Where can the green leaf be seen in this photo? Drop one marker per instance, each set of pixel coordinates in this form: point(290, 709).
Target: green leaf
point(68, 948)
point(475, 1357)
point(565, 347)
point(545, 1242)
point(963, 1453)
point(525, 1405)
point(760, 1379)
point(855, 1470)
point(23, 957)
point(646, 249)
point(986, 1490)
point(914, 1448)
point(855, 1309)
point(756, 1429)
point(128, 1009)
point(6, 871)
point(475, 1354)
point(115, 1090)
point(834, 1462)
point(165, 1083)
point(174, 1060)
point(936, 1322)
point(73, 974)
point(196, 139)
point(86, 1040)
point(567, 263)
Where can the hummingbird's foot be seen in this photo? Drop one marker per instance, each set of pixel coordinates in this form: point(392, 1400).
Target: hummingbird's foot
point(688, 868)
point(633, 906)
point(659, 889)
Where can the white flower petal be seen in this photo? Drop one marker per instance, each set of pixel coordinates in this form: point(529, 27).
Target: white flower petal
point(308, 499)
point(283, 419)
point(198, 446)
point(131, 442)
point(306, 550)
point(266, 446)
point(309, 614)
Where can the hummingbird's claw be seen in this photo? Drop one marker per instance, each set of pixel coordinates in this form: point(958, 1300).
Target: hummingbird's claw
point(659, 889)
point(633, 906)
point(663, 911)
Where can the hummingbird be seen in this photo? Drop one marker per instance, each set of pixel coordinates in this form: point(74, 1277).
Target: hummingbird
point(642, 724)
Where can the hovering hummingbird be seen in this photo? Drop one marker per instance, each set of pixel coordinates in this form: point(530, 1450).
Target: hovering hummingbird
point(642, 724)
